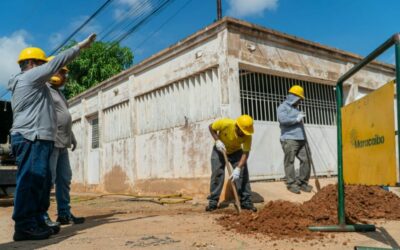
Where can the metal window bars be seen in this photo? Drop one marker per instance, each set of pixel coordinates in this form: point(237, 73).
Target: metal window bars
point(261, 94)
point(95, 132)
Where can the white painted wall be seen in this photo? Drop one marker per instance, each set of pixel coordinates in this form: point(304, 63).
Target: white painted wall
point(161, 130)
point(155, 124)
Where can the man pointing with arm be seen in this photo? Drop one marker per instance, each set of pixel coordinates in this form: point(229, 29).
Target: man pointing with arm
point(32, 137)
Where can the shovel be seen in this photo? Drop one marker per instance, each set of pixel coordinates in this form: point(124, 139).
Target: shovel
point(232, 182)
point(308, 151)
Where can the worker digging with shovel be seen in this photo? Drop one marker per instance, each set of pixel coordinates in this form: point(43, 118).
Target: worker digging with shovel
point(232, 137)
point(293, 141)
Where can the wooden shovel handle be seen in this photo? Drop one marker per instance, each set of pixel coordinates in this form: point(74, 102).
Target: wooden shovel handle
point(235, 194)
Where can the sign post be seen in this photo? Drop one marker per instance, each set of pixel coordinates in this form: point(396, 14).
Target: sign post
point(342, 226)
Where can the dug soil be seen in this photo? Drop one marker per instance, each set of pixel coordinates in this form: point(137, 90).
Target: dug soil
point(283, 219)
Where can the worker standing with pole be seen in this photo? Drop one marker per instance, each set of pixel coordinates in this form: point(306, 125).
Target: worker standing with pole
point(233, 137)
point(32, 138)
point(293, 141)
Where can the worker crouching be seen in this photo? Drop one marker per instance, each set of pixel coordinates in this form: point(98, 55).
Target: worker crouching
point(233, 137)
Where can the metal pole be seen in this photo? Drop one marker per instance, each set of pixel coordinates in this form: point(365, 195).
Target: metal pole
point(342, 227)
point(339, 104)
point(374, 54)
point(219, 10)
point(372, 248)
point(397, 52)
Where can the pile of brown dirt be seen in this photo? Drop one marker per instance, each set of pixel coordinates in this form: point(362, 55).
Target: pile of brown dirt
point(362, 203)
point(283, 219)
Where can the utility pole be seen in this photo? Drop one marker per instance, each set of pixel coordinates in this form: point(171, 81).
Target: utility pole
point(219, 10)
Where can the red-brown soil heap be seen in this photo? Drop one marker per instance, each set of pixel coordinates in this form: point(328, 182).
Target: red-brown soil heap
point(283, 219)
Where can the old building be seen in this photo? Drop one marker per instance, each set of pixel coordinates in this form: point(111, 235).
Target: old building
point(146, 129)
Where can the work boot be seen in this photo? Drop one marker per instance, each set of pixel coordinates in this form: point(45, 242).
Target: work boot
point(211, 208)
point(250, 207)
point(294, 188)
point(306, 188)
point(37, 233)
point(68, 219)
point(47, 223)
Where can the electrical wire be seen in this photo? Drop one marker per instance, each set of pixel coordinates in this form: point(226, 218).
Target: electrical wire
point(134, 11)
point(142, 17)
point(162, 25)
point(126, 26)
point(140, 23)
point(81, 26)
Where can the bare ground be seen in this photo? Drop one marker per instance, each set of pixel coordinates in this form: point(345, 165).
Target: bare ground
point(117, 222)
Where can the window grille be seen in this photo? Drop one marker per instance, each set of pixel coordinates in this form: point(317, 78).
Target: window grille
point(94, 124)
point(117, 123)
point(185, 101)
point(261, 94)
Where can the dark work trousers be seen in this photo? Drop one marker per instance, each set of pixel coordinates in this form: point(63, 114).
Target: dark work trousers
point(62, 175)
point(32, 194)
point(292, 149)
point(218, 176)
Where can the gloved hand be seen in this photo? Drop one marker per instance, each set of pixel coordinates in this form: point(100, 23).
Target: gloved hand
point(220, 146)
point(236, 174)
point(300, 117)
point(87, 42)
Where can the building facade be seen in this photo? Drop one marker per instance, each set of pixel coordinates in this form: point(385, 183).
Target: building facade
point(146, 129)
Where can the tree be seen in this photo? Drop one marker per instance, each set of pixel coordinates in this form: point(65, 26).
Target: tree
point(96, 64)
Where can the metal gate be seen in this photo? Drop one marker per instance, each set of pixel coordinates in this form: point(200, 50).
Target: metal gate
point(260, 96)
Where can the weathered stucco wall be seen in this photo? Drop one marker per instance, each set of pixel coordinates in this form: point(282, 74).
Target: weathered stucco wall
point(279, 55)
point(179, 152)
point(175, 153)
point(183, 89)
point(282, 55)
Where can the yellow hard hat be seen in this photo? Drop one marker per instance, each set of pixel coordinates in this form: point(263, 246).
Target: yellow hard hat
point(245, 123)
point(297, 90)
point(56, 81)
point(51, 58)
point(32, 53)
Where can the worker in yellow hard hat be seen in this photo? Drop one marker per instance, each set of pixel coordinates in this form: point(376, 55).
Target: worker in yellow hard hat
point(59, 78)
point(293, 141)
point(232, 137)
point(33, 134)
point(59, 159)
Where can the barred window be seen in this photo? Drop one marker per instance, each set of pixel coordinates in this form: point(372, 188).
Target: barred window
point(261, 94)
point(94, 124)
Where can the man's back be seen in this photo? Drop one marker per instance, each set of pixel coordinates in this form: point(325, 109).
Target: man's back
point(32, 104)
point(34, 114)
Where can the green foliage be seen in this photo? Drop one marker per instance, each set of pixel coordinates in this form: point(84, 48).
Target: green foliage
point(94, 65)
